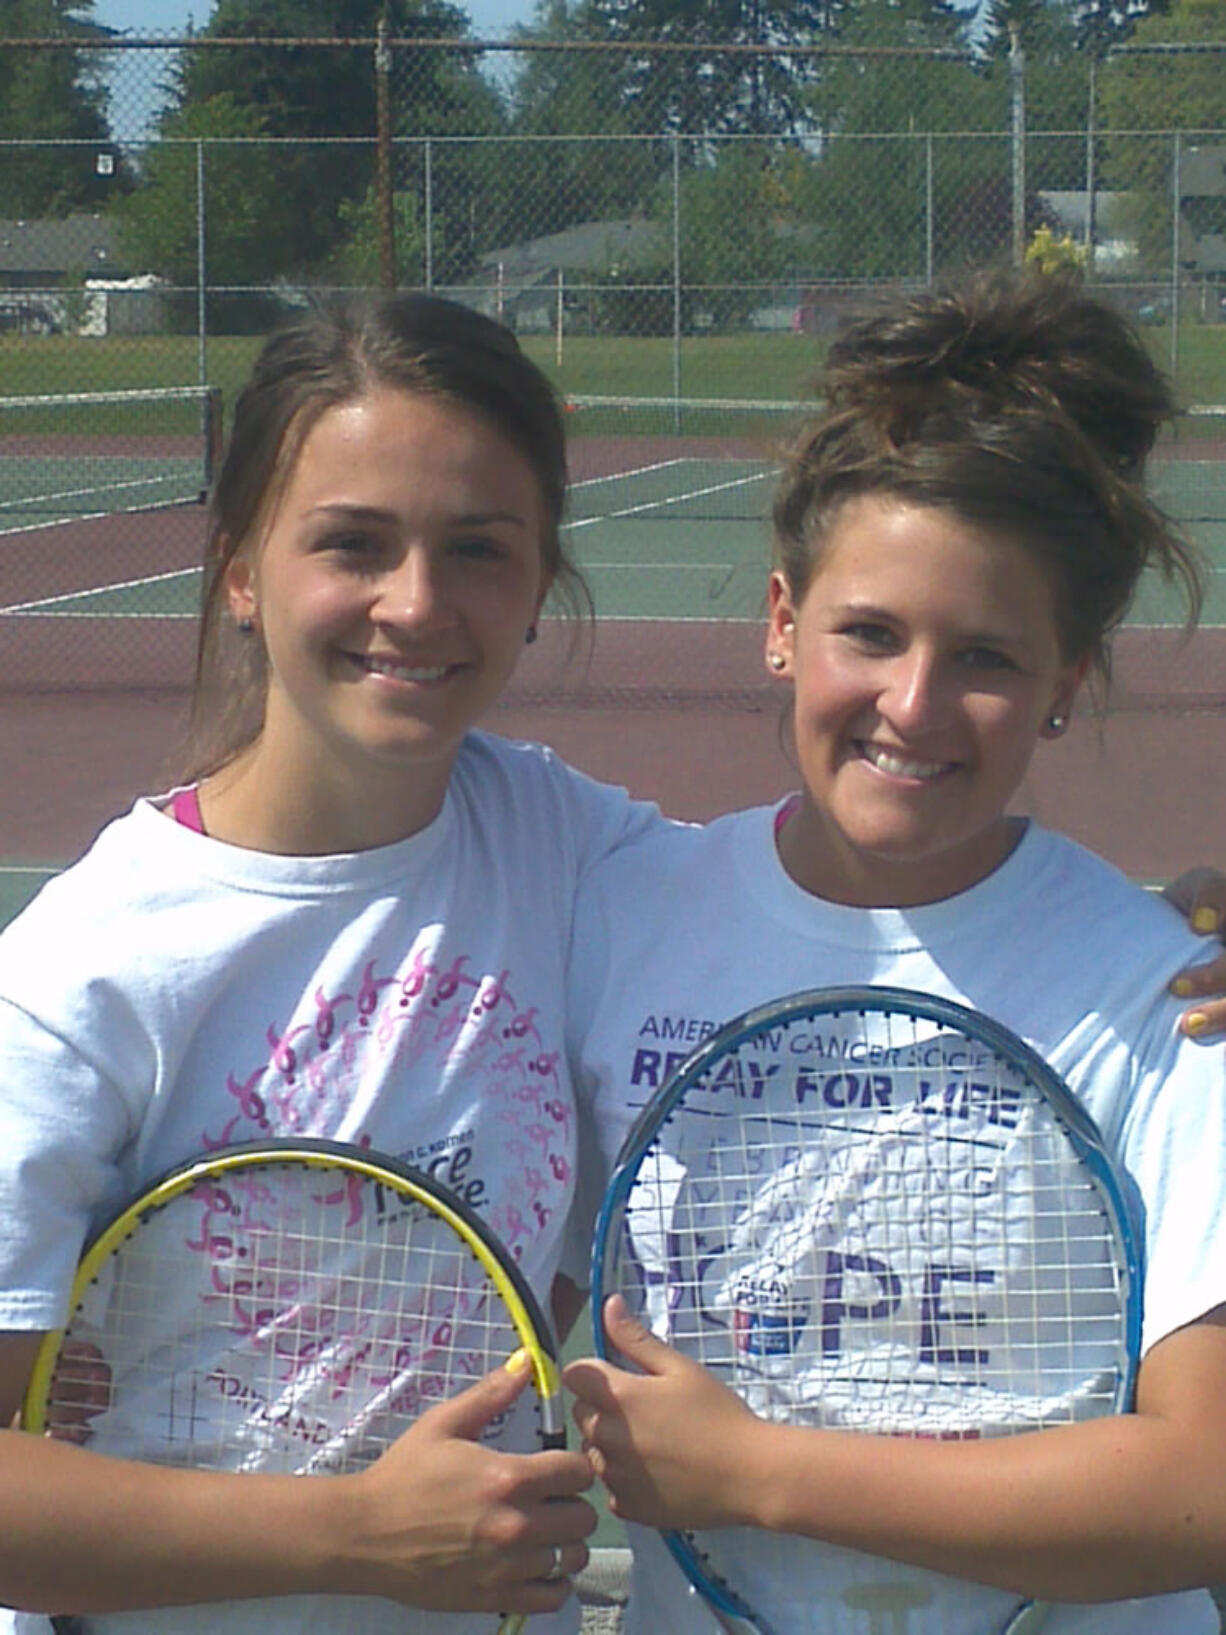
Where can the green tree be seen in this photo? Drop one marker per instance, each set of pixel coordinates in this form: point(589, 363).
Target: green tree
point(282, 196)
point(697, 93)
point(248, 217)
point(1180, 91)
point(358, 261)
point(50, 93)
point(558, 102)
point(1057, 85)
point(736, 239)
point(915, 140)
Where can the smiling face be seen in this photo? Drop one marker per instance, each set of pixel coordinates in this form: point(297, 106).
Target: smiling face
point(926, 665)
point(392, 584)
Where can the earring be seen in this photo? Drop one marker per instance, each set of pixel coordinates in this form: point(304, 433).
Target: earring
point(245, 626)
point(530, 635)
point(776, 661)
point(1056, 722)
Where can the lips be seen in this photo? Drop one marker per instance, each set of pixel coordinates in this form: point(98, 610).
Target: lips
point(896, 765)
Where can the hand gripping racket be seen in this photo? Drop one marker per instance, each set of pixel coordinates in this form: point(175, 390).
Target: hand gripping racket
point(288, 1306)
point(880, 1211)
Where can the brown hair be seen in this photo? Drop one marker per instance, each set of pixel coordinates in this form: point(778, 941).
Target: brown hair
point(1022, 405)
point(336, 352)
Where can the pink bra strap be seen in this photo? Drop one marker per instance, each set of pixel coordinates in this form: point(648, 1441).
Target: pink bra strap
point(785, 813)
point(184, 807)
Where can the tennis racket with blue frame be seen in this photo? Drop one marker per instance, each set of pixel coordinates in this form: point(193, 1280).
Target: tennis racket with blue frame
point(875, 1210)
point(288, 1306)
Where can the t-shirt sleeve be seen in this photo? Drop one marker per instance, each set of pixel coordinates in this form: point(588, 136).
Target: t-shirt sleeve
point(1173, 1144)
point(60, 1125)
point(603, 817)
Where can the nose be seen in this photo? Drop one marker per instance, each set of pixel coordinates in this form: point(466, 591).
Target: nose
point(411, 592)
point(914, 697)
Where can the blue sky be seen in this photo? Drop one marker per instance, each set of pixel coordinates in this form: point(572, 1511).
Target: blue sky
point(491, 19)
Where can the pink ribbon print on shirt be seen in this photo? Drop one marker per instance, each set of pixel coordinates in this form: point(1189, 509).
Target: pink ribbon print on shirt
point(291, 1364)
point(459, 1027)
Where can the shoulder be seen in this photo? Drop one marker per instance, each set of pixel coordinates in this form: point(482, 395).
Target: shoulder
point(119, 872)
point(527, 794)
point(683, 880)
point(1077, 896)
point(680, 852)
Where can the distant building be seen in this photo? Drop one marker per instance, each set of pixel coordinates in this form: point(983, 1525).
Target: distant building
point(1202, 208)
point(67, 274)
point(520, 283)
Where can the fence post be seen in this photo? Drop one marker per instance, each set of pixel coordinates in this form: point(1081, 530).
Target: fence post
point(202, 367)
point(1091, 183)
point(1176, 193)
point(429, 212)
point(929, 198)
point(383, 159)
point(1017, 100)
point(677, 279)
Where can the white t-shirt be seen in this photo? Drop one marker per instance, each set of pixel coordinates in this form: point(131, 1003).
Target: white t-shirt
point(170, 994)
point(689, 928)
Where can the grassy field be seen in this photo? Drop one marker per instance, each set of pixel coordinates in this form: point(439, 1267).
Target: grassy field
point(772, 366)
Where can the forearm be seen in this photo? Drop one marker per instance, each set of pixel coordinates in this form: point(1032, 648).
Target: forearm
point(86, 1534)
point(1102, 1511)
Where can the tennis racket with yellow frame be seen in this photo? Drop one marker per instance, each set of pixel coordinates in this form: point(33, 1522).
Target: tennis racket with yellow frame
point(288, 1306)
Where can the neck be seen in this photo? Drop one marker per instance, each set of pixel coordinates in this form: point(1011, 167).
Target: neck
point(259, 803)
point(819, 859)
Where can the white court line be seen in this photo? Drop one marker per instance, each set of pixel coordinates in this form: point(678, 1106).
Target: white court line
point(658, 505)
point(633, 471)
point(101, 590)
point(36, 500)
point(96, 516)
point(55, 522)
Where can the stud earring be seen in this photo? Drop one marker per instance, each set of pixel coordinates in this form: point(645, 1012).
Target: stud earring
point(245, 626)
point(776, 661)
point(1057, 722)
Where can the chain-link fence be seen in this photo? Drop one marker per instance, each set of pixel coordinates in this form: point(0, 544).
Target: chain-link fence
point(200, 188)
point(673, 232)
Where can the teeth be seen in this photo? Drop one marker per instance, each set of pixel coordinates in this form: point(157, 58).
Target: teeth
point(405, 672)
point(897, 767)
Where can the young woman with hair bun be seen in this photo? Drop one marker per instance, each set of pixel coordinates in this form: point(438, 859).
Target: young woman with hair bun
point(959, 532)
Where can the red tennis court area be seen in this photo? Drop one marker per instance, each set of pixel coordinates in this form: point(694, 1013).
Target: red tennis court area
point(680, 711)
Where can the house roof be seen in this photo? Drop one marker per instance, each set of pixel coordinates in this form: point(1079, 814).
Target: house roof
point(592, 244)
point(58, 245)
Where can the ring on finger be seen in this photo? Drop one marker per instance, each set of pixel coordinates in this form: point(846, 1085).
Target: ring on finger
point(555, 1570)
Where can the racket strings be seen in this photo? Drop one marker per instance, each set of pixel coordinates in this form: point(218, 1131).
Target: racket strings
point(298, 1319)
point(882, 1214)
point(910, 1246)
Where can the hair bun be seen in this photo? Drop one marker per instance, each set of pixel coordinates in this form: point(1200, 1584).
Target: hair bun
point(997, 345)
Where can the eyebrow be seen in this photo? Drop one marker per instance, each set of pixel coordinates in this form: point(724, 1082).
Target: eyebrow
point(374, 513)
point(872, 610)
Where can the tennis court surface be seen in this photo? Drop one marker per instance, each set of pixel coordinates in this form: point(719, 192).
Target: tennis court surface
point(101, 531)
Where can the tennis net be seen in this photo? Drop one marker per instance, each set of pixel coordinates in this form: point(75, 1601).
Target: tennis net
point(1188, 472)
point(97, 453)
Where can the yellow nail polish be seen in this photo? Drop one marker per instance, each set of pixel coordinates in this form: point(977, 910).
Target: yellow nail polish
point(1204, 920)
point(518, 1361)
point(1182, 988)
point(1196, 1022)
